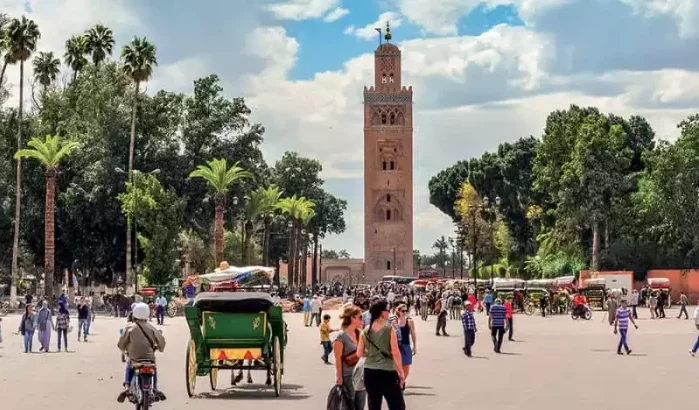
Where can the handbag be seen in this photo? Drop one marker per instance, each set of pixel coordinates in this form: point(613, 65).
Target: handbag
point(358, 375)
point(338, 399)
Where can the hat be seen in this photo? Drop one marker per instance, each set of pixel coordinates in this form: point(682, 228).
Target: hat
point(223, 266)
point(467, 303)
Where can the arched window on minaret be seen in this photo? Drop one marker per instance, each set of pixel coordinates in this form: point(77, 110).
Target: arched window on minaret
point(388, 265)
point(385, 165)
point(392, 119)
point(383, 79)
point(392, 165)
point(390, 78)
point(383, 119)
point(388, 214)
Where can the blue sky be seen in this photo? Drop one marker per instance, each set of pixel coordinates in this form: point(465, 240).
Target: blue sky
point(483, 71)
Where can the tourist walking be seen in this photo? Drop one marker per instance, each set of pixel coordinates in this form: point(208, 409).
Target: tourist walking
point(634, 303)
point(660, 306)
point(488, 300)
point(611, 309)
point(26, 327)
point(346, 358)
point(442, 318)
point(83, 319)
point(497, 323)
point(306, 311)
point(653, 304)
point(62, 323)
point(44, 322)
point(683, 306)
point(469, 324)
point(621, 323)
point(383, 370)
point(160, 306)
point(406, 333)
point(315, 311)
point(509, 314)
point(696, 324)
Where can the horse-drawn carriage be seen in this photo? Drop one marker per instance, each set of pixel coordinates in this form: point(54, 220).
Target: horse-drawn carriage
point(235, 331)
point(595, 291)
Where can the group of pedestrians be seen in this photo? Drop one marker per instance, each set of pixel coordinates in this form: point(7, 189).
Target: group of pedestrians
point(44, 320)
point(500, 321)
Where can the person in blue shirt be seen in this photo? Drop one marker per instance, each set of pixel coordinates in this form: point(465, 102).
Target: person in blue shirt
point(488, 301)
point(306, 311)
point(497, 323)
point(160, 305)
point(190, 291)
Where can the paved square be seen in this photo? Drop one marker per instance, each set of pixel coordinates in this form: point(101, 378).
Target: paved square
point(555, 363)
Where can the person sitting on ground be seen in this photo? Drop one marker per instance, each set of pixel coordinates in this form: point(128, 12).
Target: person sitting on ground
point(140, 340)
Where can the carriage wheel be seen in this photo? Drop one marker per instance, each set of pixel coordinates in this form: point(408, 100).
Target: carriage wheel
point(191, 368)
point(213, 378)
point(171, 309)
point(277, 366)
point(529, 310)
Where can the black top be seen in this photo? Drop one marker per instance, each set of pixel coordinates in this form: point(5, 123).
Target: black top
point(234, 302)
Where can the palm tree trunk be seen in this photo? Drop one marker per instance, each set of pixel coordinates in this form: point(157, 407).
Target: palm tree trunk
point(266, 241)
point(304, 260)
point(75, 75)
point(292, 257)
point(314, 264)
point(132, 146)
point(2, 73)
point(49, 233)
point(218, 231)
point(289, 263)
point(18, 191)
point(248, 236)
point(595, 246)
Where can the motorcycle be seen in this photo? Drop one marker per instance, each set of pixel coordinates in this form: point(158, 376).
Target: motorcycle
point(142, 386)
point(582, 311)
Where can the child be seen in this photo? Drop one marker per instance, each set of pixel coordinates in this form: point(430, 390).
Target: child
point(325, 331)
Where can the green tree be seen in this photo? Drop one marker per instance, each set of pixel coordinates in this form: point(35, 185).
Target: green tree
point(158, 213)
point(46, 69)
point(99, 42)
point(49, 151)
point(21, 37)
point(441, 246)
point(139, 58)
point(220, 178)
point(299, 212)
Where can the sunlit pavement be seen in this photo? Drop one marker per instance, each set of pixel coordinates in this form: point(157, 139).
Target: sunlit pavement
point(555, 363)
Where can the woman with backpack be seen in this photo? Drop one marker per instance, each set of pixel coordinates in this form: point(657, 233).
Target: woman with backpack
point(26, 327)
point(383, 368)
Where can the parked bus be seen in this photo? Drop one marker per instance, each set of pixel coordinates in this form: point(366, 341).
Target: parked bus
point(401, 280)
point(428, 274)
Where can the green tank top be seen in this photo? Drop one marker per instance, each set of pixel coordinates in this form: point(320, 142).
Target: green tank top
point(375, 359)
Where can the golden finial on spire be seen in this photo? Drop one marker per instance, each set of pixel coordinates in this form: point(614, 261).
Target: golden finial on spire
point(387, 36)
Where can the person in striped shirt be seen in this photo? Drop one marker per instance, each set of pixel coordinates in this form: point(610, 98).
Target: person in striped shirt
point(497, 323)
point(469, 324)
point(621, 322)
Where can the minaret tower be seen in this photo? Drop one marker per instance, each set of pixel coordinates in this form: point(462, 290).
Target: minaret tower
point(388, 167)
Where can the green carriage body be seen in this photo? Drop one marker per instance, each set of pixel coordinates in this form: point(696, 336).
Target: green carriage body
point(235, 330)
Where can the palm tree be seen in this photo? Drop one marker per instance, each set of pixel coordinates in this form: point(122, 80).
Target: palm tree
point(4, 21)
point(441, 245)
point(272, 197)
point(220, 177)
point(100, 42)
point(139, 60)
point(49, 151)
point(74, 57)
point(297, 210)
point(305, 218)
point(21, 37)
point(254, 208)
point(46, 68)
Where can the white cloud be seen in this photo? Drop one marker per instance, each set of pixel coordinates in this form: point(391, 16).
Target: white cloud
point(305, 9)
point(368, 32)
point(335, 15)
point(442, 16)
